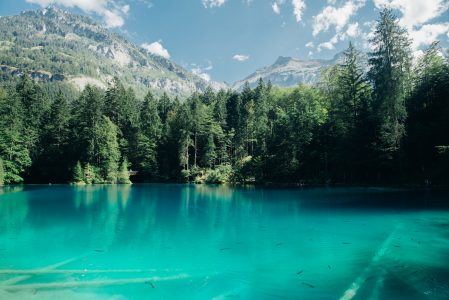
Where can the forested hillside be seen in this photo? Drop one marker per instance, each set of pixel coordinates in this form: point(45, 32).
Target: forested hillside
point(55, 46)
point(387, 125)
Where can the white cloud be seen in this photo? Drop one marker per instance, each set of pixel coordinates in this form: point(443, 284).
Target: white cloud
point(326, 45)
point(156, 48)
point(336, 16)
point(112, 13)
point(198, 72)
point(113, 19)
point(125, 9)
point(415, 12)
point(240, 57)
point(310, 45)
point(213, 3)
point(276, 8)
point(353, 30)
point(427, 34)
point(298, 8)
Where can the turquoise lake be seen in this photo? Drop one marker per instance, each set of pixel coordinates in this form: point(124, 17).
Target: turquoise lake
point(219, 242)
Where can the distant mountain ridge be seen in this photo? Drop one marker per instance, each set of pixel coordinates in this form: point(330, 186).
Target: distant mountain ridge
point(54, 45)
point(288, 71)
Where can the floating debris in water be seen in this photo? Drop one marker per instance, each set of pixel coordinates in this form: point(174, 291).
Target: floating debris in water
point(223, 249)
point(279, 244)
point(346, 243)
point(397, 246)
point(150, 284)
point(329, 267)
point(99, 250)
point(300, 272)
point(308, 285)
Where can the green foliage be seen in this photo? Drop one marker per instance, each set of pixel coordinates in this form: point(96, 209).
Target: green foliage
point(149, 135)
point(13, 147)
point(390, 64)
point(35, 105)
point(2, 173)
point(123, 173)
point(107, 150)
point(91, 175)
point(243, 170)
point(78, 174)
point(221, 174)
point(428, 125)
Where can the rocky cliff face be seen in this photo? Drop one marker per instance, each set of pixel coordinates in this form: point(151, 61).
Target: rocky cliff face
point(52, 44)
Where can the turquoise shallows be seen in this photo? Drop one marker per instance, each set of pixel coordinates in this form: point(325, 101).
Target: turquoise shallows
point(219, 242)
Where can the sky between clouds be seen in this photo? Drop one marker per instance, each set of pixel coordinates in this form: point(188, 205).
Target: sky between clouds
point(226, 40)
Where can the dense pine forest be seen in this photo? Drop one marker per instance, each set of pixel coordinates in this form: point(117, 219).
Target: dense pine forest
point(384, 119)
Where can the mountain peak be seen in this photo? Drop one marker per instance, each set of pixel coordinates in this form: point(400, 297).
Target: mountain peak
point(282, 60)
point(287, 71)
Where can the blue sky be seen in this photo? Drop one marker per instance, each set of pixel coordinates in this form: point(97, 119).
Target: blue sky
point(226, 40)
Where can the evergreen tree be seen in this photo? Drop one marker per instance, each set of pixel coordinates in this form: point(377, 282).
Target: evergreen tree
point(210, 154)
point(53, 162)
point(78, 175)
point(149, 135)
point(90, 175)
point(35, 108)
point(2, 173)
point(123, 174)
point(107, 153)
point(352, 87)
point(164, 106)
point(428, 124)
point(389, 73)
point(350, 96)
point(87, 112)
point(13, 147)
point(122, 107)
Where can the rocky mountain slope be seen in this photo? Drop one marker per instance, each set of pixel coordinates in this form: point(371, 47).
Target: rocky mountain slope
point(54, 45)
point(287, 71)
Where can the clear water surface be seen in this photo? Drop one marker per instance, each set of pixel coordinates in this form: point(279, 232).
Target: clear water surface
point(219, 242)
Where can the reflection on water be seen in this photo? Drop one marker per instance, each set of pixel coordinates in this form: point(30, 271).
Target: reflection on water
point(220, 242)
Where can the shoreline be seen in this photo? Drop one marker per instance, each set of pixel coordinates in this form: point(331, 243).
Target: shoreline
point(405, 187)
